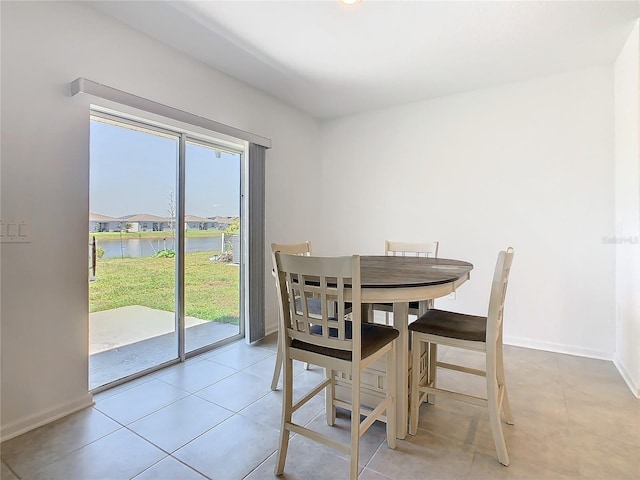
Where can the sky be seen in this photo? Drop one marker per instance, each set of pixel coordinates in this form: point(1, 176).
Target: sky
point(134, 172)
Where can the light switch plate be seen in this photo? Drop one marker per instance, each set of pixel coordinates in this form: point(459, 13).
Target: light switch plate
point(15, 231)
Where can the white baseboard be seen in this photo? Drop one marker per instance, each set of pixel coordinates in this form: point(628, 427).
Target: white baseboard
point(631, 383)
point(579, 352)
point(558, 348)
point(269, 331)
point(30, 422)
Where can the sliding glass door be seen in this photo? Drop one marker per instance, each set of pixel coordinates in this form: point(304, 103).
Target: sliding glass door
point(212, 244)
point(163, 247)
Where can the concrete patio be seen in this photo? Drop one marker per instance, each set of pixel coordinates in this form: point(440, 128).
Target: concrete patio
point(128, 340)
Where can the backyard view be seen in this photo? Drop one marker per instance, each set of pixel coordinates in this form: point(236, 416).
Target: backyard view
point(212, 285)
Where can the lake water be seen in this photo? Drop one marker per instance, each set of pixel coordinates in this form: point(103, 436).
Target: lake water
point(145, 247)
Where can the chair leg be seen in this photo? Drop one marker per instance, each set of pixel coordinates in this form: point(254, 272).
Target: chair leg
point(432, 366)
point(355, 423)
point(391, 393)
point(493, 404)
point(506, 406)
point(329, 396)
point(278, 366)
point(287, 411)
point(414, 403)
point(496, 425)
point(368, 313)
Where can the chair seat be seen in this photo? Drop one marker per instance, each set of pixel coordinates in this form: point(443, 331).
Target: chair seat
point(451, 325)
point(373, 338)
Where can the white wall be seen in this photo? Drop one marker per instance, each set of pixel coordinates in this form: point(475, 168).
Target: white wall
point(45, 179)
point(528, 165)
point(627, 210)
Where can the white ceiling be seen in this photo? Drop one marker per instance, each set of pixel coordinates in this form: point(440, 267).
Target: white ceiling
point(330, 59)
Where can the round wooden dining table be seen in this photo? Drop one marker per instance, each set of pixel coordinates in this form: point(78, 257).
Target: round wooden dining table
point(400, 280)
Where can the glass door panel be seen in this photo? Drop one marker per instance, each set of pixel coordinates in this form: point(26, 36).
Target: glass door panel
point(132, 241)
point(212, 245)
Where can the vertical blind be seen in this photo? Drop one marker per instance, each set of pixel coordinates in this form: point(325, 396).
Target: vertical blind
point(256, 242)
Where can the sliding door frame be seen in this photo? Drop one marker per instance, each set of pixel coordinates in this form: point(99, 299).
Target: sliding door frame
point(210, 140)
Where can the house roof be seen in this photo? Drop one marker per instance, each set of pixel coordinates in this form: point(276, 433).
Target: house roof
point(227, 220)
point(145, 217)
point(96, 217)
point(195, 218)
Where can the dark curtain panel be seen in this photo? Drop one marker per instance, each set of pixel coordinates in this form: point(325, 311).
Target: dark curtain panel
point(256, 242)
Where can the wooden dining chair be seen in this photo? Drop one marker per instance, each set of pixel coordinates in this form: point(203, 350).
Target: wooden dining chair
point(341, 346)
point(471, 332)
point(407, 249)
point(303, 248)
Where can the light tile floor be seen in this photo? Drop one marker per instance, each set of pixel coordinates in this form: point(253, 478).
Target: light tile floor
point(215, 417)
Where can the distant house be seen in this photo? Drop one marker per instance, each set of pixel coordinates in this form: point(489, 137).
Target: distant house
point(103, 223)
point(222, 223)
point(145, 222)
point(193, 222)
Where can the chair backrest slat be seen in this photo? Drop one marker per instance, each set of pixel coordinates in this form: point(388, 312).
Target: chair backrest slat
point(498, 295)
point(302, 248)
point(408, 249)
point(327, 279)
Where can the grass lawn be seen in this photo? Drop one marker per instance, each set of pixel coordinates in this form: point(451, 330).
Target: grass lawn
point(211, 288)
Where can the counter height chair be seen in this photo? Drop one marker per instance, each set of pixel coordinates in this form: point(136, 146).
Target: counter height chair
point(303, 248)
point(471, 332)
point(339, 345)
point(407, 249)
